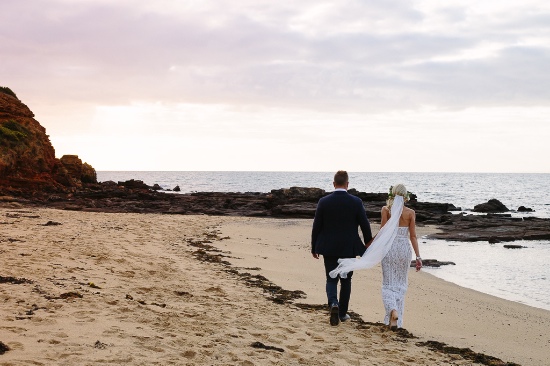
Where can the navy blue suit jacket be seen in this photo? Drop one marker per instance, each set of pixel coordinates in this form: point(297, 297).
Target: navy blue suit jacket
point(335, 227)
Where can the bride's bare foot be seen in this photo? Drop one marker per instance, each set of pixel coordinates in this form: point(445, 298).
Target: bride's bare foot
point(393, 320)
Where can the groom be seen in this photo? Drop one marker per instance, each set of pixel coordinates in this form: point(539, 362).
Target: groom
point(335, 235)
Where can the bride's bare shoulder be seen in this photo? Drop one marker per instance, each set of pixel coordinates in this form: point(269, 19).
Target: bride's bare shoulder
point(408, 211)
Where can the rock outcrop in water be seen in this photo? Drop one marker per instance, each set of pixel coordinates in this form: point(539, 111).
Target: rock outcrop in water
point(493, 228)
point(27, 157)
point(492, 206)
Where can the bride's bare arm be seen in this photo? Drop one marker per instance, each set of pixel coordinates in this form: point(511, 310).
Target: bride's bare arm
point(414, 240)
point(385, 216)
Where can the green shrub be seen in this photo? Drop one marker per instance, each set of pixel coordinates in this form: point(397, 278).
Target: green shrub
point(12, 131)
point(8, 91)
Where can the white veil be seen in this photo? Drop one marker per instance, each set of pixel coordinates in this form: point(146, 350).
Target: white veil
point(379, 247)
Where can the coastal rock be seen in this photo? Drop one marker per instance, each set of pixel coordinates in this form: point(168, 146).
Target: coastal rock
point(177, 189)
point(514, 246)
point(133, 184)
point(78, 171)
point(493, 228)
point(493, 206)
point(369, 197)
point(156, 187)
point(299, 210)
point(109, 183)
point(434, 263)
point(294, 194)
point(89, 175)
point(525, 209)
point(27, 157)
point(25, 149)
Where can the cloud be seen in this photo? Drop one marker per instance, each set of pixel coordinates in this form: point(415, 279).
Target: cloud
point(363, 56)
point(282, 74)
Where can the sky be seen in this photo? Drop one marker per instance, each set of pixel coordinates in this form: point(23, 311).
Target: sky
point(310, 85)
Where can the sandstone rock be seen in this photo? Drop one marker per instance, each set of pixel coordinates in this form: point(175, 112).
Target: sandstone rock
point(25, 149)
point(78, 171)
point(493, 205)
point(89, 174)
point(73, 165)
point(525, 209)
point(27, 157)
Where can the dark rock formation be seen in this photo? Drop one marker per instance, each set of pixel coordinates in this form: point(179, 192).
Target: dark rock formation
point(514, 246)
point(134, 184)
point(177, 189)
point(27, 157)
point(493, 228)
point(525, 209)
point(297, 194)
point(135, 196)
point(432, 263)
point(492, 206)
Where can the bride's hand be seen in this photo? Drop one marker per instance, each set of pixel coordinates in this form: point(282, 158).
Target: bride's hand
point(418, 264)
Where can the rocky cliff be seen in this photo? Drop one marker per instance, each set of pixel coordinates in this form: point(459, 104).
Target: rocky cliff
point(27, 157)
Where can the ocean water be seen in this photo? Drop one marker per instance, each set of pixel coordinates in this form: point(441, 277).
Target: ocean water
point(521, 275)
point(464, 190)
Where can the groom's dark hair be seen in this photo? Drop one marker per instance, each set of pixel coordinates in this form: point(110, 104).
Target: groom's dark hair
point(341, 177)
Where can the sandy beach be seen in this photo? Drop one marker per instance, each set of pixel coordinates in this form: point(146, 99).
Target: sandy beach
point(81, 288)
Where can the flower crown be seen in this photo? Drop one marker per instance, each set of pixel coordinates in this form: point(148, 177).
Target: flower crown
point(391, 195)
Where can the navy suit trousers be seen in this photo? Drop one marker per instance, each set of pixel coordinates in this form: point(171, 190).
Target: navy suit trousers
point(332, 286)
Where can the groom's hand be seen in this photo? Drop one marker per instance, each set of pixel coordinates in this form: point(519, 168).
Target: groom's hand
point(315, 255)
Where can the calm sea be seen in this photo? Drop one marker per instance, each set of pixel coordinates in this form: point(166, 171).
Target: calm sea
point(519, 275)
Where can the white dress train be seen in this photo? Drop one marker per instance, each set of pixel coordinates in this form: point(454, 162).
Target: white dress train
point(395, 270)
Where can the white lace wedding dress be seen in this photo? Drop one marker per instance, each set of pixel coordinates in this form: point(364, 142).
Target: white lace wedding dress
point(395, 271)
point(391, 246)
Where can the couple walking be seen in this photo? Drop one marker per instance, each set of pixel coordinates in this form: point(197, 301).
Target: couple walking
point(335, 236)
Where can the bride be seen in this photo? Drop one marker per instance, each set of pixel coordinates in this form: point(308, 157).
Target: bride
point(391, 246)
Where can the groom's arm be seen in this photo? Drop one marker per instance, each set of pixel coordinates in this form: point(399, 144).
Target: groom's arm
point(317, 227)
point(364, 224)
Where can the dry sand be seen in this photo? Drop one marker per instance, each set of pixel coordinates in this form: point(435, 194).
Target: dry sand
point(146, 290)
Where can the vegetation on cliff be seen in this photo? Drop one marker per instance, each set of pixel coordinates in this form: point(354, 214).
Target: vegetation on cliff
point(12, 134)
point(8, 91)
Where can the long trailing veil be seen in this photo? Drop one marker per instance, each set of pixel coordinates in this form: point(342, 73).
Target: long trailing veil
point(379, 247)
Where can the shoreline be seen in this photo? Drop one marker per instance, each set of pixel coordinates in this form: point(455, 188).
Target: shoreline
point(458, 315)
point(146, 305)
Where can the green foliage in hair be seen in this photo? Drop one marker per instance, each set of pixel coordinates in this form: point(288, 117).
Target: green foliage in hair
point(391, 195)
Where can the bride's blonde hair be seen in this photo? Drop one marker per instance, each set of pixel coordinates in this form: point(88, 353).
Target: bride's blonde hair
point(397, 190)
